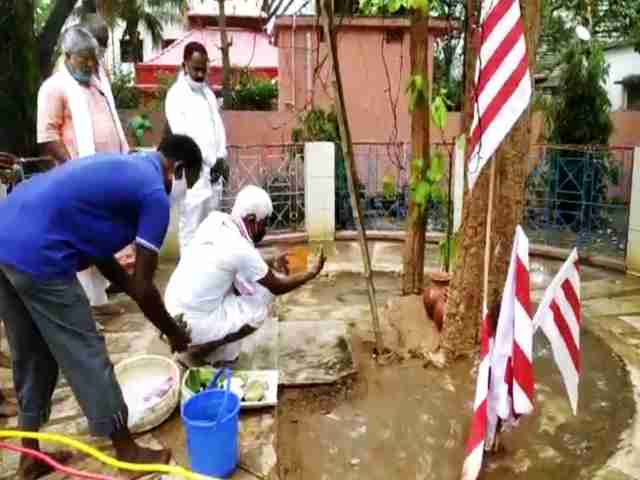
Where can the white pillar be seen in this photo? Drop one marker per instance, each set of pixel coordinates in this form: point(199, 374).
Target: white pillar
point(633, 239)
point(458, 181)
point(320, 190)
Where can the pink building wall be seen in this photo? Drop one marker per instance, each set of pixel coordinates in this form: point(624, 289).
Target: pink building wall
point(375, 66)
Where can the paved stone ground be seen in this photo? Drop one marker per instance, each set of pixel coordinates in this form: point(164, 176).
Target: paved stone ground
point(611, 310)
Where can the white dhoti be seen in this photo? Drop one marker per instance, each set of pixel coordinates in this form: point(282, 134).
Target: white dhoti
point(94, 285)
point(200, 200)
point(233, 313)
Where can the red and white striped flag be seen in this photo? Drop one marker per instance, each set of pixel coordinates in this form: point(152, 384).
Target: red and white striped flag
point(478, 431)
point(505, 376)
point(503, 82)
point(511, 385)
point(559, 318)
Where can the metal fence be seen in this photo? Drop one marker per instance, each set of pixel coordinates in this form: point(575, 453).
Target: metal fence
point(279, 169)
point(580, 197)
point(384, 192)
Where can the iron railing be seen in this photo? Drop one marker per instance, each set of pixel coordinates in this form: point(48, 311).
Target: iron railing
point(579, 196)
point(383, 171)
point(279, 169)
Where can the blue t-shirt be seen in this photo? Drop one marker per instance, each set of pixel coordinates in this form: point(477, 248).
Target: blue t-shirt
point(61, 222)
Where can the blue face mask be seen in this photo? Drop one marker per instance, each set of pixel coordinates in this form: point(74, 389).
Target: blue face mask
point(80, 77)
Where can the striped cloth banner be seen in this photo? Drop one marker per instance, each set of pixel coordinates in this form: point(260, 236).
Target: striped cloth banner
point(511, 391)
point(503, 82)
point(505, 377)
point(559, 318)
point(478, 433)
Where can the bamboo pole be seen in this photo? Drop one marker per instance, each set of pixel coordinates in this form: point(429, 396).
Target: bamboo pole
point(347, 148)
point(487, 239)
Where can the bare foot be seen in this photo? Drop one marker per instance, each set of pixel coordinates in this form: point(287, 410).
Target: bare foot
point(138, 454)
point(8, 408)
point(107, 310)
point(31, 469)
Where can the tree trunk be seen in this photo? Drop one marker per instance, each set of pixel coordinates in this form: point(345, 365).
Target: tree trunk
point(464, 309)
point(413, 252)
point(226, 62)
point(20, 77)
point(26, 60)
point(48, 39)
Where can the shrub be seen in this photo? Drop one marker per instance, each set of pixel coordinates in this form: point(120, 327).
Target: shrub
point(125, 93)
point(253, 92)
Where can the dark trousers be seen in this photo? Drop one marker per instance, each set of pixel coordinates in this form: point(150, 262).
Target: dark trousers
point(50, 328)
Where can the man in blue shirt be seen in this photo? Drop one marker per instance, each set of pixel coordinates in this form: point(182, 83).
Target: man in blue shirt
point(61, 222)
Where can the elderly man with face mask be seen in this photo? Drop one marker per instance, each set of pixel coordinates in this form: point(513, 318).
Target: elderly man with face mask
point(191, 108)
point(77, 117)
point(222, 287)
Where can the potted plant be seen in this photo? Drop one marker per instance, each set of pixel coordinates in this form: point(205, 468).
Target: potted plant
point(436, 295)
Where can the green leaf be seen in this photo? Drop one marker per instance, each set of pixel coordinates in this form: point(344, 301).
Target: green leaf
point(417, 90)
point(418, 163)
point(439, 112)
point(420, 5)
point(421, 193)
point(395, 5)
point(436, 169)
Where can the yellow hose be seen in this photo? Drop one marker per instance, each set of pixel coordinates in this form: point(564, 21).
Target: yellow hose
point(98, 455)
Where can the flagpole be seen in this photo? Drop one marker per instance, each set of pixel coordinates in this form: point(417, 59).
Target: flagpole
point(487, 262)
point(487, 240)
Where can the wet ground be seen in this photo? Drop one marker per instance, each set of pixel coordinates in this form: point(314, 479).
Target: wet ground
point(404, 421)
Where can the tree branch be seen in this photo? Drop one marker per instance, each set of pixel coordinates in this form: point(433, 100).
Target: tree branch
point(48, 38)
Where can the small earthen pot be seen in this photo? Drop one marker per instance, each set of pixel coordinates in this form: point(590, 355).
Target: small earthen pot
point(435, 297)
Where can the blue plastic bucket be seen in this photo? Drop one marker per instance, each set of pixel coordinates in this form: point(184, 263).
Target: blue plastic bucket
point(211, 421)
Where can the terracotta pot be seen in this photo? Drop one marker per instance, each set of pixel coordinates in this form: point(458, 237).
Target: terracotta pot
point(435, 297)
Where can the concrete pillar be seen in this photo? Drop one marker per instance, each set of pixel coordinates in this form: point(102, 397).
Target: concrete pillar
point(320, 190)
point(633, 239)
point(458, 181)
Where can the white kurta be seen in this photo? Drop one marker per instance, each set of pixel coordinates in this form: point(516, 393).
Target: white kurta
point(196, 113)
point(201, 287)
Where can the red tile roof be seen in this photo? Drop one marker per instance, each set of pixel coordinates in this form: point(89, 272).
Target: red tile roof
point(251, 49)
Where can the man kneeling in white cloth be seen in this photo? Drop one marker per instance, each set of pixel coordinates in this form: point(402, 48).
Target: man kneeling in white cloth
point(222, 285)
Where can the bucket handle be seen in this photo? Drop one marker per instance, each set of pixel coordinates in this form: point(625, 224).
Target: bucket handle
point(214, 382)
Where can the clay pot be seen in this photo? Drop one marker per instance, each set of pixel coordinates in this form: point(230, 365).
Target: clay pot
point(435, 297)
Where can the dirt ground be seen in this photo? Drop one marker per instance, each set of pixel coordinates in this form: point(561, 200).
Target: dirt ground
point(407, 421)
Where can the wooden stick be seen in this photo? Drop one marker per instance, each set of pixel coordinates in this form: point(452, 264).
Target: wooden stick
point(347, 148)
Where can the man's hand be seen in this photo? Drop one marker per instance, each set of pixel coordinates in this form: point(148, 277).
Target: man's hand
point(281, 263)
point(319, 264)
point(181, 339)
point(8, 160)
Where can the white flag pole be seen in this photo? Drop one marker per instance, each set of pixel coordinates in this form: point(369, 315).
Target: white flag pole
point(487, 240)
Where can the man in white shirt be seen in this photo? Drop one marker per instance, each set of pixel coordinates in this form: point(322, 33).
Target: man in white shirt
point(222, 286)
point(191, 109)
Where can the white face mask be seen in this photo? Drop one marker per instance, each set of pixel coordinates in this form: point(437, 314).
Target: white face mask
point(178, 190)
point(195, 86)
